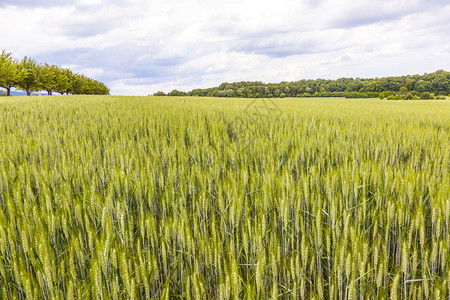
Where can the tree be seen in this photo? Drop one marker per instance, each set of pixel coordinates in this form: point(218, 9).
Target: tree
point(176, 93)
point(408, 96)
point(10, 74)
point(423, 86)
point(62, 81)
point(79, 84)
point(384, 94)
point(69, 75)
point(229, 92)
point(98, 88)
point(426, 96)
point(409, 84)
point(437, 83)
point(28, 75)
point(440, 83)
point(30, 80)
point(47, 77)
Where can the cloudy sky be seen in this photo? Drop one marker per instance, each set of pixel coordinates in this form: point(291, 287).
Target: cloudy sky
point(138, 47)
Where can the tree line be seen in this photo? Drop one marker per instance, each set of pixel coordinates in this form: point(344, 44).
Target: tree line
point(426, 86)
point(30, 76)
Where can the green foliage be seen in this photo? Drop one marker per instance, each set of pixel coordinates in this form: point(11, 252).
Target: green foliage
point(408, 96)
point(10, 75)
point(63, 81)
point(437, 82)
point(30, 76)
point(47, 77)
point(198, 198)
point(426, 96)
point(384, 95)
point(176, 93)
point(362, 95)
point(403, 90)
point(395, 97)
point(30, 81)
point(304, 95)
point(159, 94)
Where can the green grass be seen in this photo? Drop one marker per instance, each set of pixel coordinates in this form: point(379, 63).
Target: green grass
point(148, 197)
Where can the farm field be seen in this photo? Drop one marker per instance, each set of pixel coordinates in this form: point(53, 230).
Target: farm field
point(210, 198)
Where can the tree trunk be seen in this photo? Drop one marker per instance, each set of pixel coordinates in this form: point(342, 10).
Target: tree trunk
point(50, 92)
point(28, 92)
point(8, 91)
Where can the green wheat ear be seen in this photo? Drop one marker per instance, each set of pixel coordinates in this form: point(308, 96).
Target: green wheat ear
point(131, 198)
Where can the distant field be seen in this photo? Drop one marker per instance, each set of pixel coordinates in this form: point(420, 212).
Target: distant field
point(165, 197)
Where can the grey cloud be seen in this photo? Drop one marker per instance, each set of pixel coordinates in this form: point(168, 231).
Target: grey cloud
point(283, 45)
point(272, 42)
point(88, 21)
point(275, 51)
point(35, 3)
point(362, 19)
point(115, 64)
point(87, 28)
point(57, 3)
point(381, 12)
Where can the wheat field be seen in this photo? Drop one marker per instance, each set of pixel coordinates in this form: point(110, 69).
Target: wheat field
point(107, 197)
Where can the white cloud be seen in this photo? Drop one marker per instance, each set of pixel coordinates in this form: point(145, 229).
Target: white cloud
point(89, 2)
point(139, 47)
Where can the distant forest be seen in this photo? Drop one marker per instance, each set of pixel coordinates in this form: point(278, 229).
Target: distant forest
point(426, 86)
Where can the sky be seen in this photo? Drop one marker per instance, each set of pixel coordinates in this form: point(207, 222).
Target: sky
point(139, 47)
